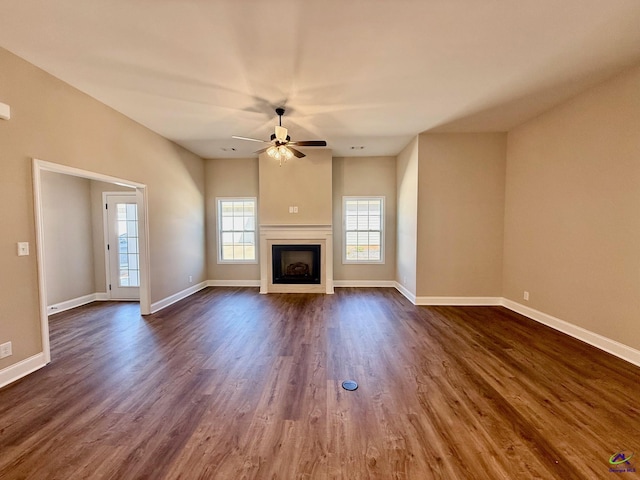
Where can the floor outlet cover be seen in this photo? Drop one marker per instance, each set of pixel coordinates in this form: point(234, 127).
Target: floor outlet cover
point(349, 385)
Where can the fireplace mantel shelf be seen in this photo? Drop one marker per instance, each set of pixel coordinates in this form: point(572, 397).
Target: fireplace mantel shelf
point(303, 227)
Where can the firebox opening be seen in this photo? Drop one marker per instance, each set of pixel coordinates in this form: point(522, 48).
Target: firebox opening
point(296, 264)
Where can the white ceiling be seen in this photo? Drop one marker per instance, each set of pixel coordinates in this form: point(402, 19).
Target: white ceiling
point(370, 73)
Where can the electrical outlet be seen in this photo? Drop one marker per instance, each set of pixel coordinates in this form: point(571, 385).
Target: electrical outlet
point(526, 295)
point(290, 209)
point(190, 279)
point(295, 209)
point(5, 350)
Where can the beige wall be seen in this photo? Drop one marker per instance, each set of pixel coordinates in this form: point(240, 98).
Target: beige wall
point(68, 248)
point(351, 176)
point(572, 222)
point(407, 216)
point(302, 182)
point(460, 214)
point(52, 121)
point(362, 176)
point(228, 177)
point(74, 235)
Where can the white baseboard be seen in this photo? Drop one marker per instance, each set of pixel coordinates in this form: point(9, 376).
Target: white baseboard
point(459, 301)
point(176, 297)
point(76, 302)
point(613, 347)
point(233, 283)
point(403, 290)
point(21, 369)
point(364, 283)
point(608, 345)
point(629, 354)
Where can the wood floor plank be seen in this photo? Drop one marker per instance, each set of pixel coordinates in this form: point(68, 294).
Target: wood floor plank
point(230, 384)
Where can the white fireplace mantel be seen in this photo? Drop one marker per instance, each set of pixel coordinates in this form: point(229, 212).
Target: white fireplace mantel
point(296, 234)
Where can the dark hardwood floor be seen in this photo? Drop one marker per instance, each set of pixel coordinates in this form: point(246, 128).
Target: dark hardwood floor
point(230, 384)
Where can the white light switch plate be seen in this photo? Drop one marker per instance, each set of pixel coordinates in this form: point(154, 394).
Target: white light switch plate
point(23, 249)
point(5, 350)
point(5, 111)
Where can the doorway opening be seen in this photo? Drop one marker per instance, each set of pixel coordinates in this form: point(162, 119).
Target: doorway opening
point(137, 196)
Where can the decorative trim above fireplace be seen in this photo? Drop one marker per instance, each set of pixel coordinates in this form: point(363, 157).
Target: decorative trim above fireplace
point(299, 235)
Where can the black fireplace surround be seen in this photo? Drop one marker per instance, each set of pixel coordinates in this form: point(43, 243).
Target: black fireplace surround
point(296, 264)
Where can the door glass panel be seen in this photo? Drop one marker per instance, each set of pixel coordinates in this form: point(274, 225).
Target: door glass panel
point(129, 274)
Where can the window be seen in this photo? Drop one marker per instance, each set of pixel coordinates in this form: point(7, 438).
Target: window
point(363, 229)
point(237, 230)
point(128, 256)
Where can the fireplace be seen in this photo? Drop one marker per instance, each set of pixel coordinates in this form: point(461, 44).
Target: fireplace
point(296, 264)
point(309, 261)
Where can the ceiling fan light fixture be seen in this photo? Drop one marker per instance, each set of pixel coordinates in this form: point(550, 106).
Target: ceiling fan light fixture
point(280, 140)
point(285, 152)
point(280, 152)
point(273, 152)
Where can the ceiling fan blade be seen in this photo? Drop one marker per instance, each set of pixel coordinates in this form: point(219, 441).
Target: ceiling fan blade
point(310, 143)
point(250, 139)
point(297, 153)
point(262, 150)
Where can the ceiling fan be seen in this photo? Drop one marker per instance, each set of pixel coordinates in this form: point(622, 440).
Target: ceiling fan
point(281, 144)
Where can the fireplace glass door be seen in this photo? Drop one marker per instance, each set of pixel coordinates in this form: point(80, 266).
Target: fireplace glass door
point(296, 264)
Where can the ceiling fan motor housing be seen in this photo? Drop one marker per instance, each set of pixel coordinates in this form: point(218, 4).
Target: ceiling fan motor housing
point(273, 137)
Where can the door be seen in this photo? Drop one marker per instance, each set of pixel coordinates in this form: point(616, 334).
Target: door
point(123, 253)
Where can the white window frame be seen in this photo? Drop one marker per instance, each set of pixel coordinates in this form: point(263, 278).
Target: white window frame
point(219, 231)
point(345, 199)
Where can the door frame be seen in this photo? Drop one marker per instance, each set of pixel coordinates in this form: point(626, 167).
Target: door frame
point(143, 231)
point(105, 226)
